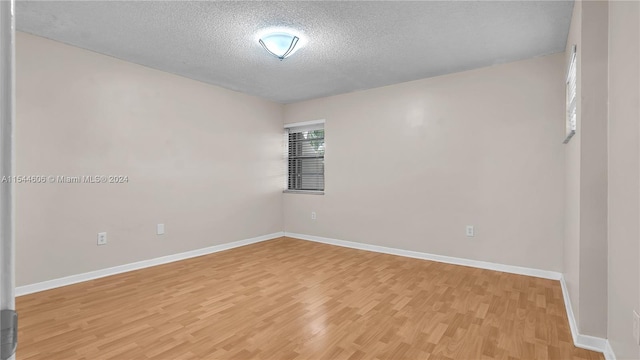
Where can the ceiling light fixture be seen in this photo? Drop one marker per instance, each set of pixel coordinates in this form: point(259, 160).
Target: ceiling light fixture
point(279, 44)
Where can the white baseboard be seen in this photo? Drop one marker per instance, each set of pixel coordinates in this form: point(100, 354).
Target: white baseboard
point(608, 352)
point(545, 274)
point(584, 341)
point(579, 340)
point(74, 279)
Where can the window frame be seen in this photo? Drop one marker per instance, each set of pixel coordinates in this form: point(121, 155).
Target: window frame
point(300, 127)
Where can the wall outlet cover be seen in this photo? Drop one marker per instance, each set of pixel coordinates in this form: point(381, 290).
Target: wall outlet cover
point(160, 229)
point(102, 238)
point(470, 231)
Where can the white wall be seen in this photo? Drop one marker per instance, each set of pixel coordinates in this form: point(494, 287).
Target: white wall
point(624, 176)
point(409, 165)
point(205, 161)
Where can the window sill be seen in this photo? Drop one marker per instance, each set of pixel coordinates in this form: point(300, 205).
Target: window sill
point(308, 192)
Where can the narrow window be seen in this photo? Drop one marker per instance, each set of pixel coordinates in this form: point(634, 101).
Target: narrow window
point(572, 95)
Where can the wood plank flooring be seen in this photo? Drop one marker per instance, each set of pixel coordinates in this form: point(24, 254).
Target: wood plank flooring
point(293, 299)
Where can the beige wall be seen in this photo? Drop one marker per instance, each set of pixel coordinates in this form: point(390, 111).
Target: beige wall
point(624, 178)
point(205, 161)
point(409, 165)
point(593, 170)
point(608, 38)
point(585, 255)
point(571, 254)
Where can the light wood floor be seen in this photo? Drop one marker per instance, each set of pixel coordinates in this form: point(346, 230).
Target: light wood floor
point(293, 299)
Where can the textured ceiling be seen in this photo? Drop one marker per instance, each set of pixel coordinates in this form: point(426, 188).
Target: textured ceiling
point(350, 45)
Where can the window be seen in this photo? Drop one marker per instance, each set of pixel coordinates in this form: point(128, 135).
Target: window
point(305, 156)
point(572, 98)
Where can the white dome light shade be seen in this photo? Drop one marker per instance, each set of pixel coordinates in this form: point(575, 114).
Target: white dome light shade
point(279, 44)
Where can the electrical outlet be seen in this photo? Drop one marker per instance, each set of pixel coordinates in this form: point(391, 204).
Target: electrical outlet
point(470, 230)
point(636, 327)
point(102, 238)
point(160, 229)
point(313, 215)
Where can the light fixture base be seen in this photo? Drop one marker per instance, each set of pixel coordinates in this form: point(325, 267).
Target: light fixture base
point(279, 44)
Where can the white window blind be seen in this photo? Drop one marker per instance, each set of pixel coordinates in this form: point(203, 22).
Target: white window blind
point(305, 156)
point(572, 95)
